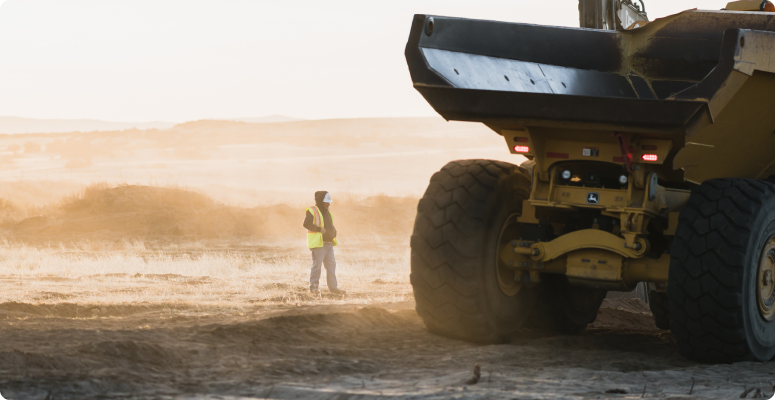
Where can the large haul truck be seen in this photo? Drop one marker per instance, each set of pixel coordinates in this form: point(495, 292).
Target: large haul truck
point(651, 149)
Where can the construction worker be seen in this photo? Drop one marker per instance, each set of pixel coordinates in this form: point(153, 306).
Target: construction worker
point(321, 239)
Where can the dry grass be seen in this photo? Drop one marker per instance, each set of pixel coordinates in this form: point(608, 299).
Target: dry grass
point(208, 281)
point(172, 247)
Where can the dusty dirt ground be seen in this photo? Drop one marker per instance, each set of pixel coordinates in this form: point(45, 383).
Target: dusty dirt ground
point(343, 351)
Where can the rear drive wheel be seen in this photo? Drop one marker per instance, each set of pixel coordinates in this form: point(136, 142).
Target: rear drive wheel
point(529, 166)
point(461, 288)
point(720, 291)
point(659, 306)
point(564, 308)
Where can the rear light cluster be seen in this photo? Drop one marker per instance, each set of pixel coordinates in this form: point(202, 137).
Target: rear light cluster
point(526, 149)
point(522, 149)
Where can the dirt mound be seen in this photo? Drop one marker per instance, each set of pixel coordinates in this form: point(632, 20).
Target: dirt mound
point(134, 198)
point(14, 310)
point(625, 314)
point(18, 310)
point(27, 361)
point(136, 212)
point(312, 328)
point(131, 352)
point(627, 304)
point(139, 212)
point(130, 212)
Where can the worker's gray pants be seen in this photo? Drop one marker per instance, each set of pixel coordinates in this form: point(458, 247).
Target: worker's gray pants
point(323, 256)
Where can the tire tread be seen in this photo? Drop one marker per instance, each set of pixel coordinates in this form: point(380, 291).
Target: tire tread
point(707, 267)
point(447, 237)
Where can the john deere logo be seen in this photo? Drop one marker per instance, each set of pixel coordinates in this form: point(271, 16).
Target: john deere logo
point(593, 198)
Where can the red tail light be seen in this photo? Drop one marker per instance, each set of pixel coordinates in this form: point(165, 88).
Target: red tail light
point(650, 157)
point(522, 149)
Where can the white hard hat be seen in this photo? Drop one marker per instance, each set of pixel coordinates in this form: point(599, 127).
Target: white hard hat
point(327, 199)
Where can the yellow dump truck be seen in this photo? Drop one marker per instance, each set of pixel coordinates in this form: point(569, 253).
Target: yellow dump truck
point(651, 149)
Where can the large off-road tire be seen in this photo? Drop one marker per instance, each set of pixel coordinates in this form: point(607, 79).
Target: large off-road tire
point(460, 286)
point(564, 308)
point(529, 166)
point(659, 305)
point(720, 291)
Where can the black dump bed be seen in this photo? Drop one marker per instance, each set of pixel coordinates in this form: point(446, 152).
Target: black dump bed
point(674, 76)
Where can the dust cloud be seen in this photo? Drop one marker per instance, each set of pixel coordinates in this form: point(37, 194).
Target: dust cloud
point(171, 263)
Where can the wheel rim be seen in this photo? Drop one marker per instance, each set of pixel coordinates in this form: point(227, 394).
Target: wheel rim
point(766, 282)
point(506, 275)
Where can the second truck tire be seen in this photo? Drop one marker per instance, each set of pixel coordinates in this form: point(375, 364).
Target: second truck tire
point(659, 305)
point(461, 287)
point(454, 251)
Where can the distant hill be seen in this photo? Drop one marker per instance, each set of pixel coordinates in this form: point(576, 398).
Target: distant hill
point(360, 127)
point(15, 125)
point(10, 125)
point(268, 119)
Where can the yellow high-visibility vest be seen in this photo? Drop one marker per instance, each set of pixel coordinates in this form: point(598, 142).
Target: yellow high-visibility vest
point(315, 239)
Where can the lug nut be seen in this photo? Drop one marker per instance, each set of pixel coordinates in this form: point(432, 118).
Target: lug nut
point(767, 280)
point(513, 243)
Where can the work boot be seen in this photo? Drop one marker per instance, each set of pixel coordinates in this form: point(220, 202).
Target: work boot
point(338, 291)
point(314, 291)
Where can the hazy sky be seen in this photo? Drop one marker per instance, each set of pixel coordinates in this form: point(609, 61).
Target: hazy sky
point(178, 60)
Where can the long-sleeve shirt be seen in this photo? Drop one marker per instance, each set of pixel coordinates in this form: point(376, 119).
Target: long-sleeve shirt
point(328, 223)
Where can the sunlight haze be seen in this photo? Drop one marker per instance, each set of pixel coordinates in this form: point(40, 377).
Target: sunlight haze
point(249, 199)
point(187, 60)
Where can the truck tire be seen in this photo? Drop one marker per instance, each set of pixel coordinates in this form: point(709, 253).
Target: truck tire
point(659, 306)
point(722, 260)
point(564, 308)
point(459, 284)
point(529, 166)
